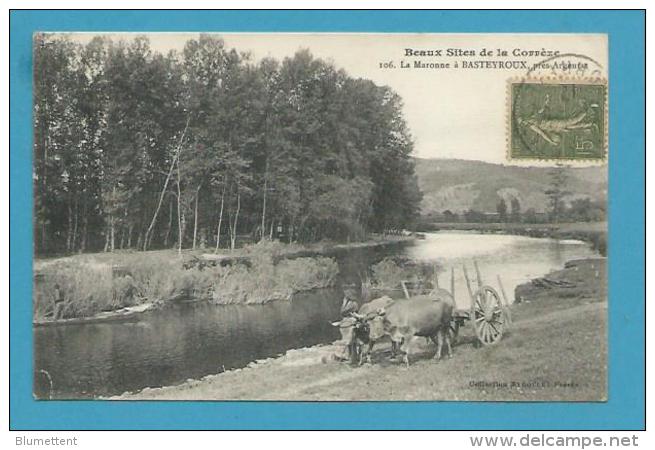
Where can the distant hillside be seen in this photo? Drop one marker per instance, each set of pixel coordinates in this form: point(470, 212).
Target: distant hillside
point(459, 185)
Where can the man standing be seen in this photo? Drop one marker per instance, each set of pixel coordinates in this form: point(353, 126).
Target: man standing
point(347, 325)
point(349, 305)
point(59, 302)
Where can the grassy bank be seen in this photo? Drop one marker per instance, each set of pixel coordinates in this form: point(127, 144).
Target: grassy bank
point(94, 283)
point(582, 278)
point(594, 233)
point(556, 350)
point(104, 282)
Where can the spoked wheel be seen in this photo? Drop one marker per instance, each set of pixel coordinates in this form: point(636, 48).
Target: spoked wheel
point(488, 315)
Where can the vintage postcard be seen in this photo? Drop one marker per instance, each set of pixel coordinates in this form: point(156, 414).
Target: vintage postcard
point(320, 216)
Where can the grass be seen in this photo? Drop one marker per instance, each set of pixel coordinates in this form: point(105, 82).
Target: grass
point(585, 278)
point(90, 285)
point(555, 350)
point(87, 290)
point(554, 355)
point(264, 281)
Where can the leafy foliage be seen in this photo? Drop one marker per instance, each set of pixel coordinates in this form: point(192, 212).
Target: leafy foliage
point(388, 273)
point(137, 149)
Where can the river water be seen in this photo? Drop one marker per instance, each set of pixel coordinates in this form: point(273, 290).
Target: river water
point(167, 346)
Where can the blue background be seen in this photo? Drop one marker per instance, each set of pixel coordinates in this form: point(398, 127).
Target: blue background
point(625, 408)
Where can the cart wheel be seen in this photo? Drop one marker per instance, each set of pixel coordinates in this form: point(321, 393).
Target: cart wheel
point(488, 315)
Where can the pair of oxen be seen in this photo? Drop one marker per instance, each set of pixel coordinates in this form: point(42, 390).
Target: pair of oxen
point(428, 316)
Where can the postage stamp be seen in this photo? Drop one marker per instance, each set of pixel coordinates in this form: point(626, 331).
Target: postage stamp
point(558, 119)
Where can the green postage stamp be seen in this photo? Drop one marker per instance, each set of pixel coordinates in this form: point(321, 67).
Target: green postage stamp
point(558, 120)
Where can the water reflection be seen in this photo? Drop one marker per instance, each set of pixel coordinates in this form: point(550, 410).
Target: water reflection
point(515, 259)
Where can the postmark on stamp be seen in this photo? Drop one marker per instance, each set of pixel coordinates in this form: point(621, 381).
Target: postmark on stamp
point(558, 119)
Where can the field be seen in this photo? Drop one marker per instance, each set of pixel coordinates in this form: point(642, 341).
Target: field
point(556, 350)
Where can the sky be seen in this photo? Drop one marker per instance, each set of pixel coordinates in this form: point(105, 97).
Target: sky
point(451, 112)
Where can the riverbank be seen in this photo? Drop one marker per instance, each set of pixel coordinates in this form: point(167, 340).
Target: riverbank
point(555, 350)
point(581, 278)
point(112, 286)
point(594, 233)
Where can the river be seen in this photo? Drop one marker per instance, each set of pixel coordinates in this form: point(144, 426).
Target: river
point(169, 345)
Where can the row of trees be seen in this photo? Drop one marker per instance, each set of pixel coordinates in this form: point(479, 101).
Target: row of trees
point(137, 149)
point(513, 215)
point(577, 210)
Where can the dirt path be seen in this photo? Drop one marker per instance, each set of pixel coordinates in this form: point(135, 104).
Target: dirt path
point(556, 350)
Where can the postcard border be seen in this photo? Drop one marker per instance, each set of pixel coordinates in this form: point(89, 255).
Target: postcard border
point(626, 31)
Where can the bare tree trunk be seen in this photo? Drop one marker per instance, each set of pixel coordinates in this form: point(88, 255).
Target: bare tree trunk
point(75, 223)
point(270, 236)
point(146, 240)
point(265, 171)
point(130, 231)
point(233, 228)
point(85, 233)
point(170, 224)
point(123, 229)
point(46, 143)
point(220, 218)
point(107, 238)
point(264, 205)
point(69, 230)
point(195, 216)
point(139, 239)
point(112, 233)
point(85, 225)
point(180, 219)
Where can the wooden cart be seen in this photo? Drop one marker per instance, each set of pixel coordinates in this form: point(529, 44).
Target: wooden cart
point(489, 312)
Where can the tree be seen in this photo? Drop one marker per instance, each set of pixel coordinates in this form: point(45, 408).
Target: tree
point(585, 210)
point(68, 128)
point(515, 210)
point(530, 216)
point(125, 135)
point(474, 216)
point(556, 192)
point(145, 120)
point(501, 209)
point(449, 216)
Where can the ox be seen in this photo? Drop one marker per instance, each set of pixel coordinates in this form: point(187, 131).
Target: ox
point(354, 328)
point(369, 311)
point(425, 315)
point(350, 328)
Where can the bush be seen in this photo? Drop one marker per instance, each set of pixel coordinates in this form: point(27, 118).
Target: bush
point(86, 290)
point(265, 281)
point(89, 287)
point(303, 274)
point(388, 273)
point(156, 278)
